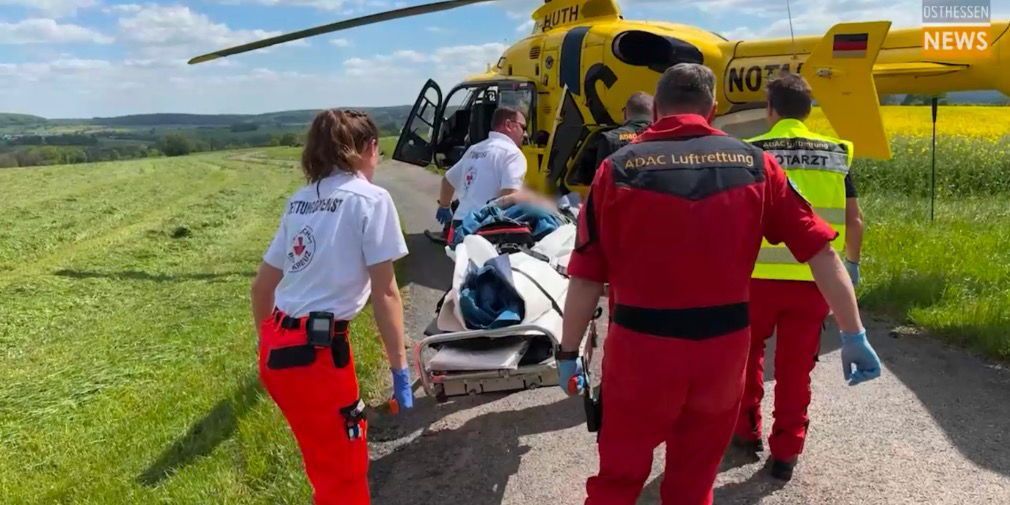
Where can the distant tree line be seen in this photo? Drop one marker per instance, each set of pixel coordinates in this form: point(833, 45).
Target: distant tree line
point(71, 139)
point(131, 138)
point(178, 144)
point(66, 155)
point(25, 152)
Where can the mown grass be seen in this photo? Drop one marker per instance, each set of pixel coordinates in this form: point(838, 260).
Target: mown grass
point(128, 366)
point(386, 146)
point(950, 276)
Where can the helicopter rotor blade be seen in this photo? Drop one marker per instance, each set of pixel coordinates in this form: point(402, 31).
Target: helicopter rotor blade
point(340, 25)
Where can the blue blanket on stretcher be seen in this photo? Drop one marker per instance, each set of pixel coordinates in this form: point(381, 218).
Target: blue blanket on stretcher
point(488, 298)
point(541, 221)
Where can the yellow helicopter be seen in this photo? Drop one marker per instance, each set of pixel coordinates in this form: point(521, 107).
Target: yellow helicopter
point(573, 74)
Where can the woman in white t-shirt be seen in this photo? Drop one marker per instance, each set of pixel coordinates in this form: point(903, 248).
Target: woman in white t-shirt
point(335, 247)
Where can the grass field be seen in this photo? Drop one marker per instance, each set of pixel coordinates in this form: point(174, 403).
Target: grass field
point(952, 276)
point(127, 373)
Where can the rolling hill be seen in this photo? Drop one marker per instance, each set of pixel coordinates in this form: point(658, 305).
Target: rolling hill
point(381, 115)
point(7, 119)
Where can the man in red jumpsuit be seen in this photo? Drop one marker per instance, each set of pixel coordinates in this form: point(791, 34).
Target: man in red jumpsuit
point(784, 299)
point(673, 222)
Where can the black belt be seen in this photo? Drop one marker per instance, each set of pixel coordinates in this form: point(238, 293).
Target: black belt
point(292, 323)
point(696, 323)
point(305, 354)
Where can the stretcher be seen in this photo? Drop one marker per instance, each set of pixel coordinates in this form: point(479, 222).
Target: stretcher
point(455, 359)
point(528, 365)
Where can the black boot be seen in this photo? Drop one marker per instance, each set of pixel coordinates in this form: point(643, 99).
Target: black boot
point(783, 470)
point(750, 445)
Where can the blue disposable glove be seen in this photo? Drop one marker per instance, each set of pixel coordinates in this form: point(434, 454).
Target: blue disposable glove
point(443, 215)
point(568, 368)
point(853, 268)
point(402, 392)
point(856, 351)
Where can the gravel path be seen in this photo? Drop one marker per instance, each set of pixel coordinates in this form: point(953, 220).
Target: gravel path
point(934, 429)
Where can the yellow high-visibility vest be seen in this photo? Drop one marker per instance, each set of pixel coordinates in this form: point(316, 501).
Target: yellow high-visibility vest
point(816, 165)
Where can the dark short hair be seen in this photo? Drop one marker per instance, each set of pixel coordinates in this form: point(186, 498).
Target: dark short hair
point(504, 113)
point(789, 95)
point(639, 105)
point(686, 88)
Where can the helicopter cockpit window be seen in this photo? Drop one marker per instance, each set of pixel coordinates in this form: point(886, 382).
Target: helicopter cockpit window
point(519, 96)
point(468, 112)
point(455, 128)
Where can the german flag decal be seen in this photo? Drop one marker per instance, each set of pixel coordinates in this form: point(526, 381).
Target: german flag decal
point(851, 45)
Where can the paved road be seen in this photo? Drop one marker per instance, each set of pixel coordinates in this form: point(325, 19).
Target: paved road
point(935, 429)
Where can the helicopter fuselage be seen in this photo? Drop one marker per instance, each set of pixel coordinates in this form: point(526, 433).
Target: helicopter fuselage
point(583, 61)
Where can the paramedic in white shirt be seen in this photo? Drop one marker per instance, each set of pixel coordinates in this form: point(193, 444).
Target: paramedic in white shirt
point(489, 169)
point(334, 250)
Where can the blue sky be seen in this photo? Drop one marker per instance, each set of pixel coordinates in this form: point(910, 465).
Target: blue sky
point(84, 58)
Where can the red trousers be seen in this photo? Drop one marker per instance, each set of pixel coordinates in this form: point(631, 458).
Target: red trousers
point(310, 397)
point(682, 392)
point(795, 312)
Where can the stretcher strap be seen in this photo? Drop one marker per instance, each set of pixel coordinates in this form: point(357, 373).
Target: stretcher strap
point(546, 259)
point(554, 303)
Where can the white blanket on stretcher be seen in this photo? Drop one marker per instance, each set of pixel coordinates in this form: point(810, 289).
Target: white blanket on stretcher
point(539, 310)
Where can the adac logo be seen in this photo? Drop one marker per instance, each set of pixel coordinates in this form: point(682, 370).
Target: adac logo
point(303, 248)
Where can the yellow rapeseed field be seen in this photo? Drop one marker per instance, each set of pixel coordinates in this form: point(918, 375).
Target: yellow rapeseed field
point(949, 276)
point(952, 120)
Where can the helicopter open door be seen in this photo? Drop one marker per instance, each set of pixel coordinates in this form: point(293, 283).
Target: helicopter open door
point(417, 139)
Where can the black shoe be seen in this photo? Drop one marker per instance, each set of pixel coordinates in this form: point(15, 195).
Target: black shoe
point(755, 445)
point(783, 470)
point(438, 238)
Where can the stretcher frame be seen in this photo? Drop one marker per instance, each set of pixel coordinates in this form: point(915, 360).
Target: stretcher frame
point(441, 387)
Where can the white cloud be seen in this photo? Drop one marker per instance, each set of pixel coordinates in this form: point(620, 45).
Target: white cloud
point(739, 33)
point(714, 7)
point(78, 65)
point(48, 31)
point(449, 63)
point(410, 56)
point(62, 68)
point(816, 19)
point(177, 30)
point(122, 8)
point(526, 27)
point(518, 9)
point(436, 29)
point(86, 88)
point(153, 63)
point(329, 5)
point(55, 8)
point(764, 19)
point(341, 42)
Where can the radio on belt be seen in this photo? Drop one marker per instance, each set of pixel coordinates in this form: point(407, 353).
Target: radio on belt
point(320, 329)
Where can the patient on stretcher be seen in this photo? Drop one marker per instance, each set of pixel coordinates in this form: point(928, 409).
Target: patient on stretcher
point(509, 271)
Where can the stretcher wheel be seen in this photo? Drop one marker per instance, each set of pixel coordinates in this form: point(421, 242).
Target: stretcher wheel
point(440, 395)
